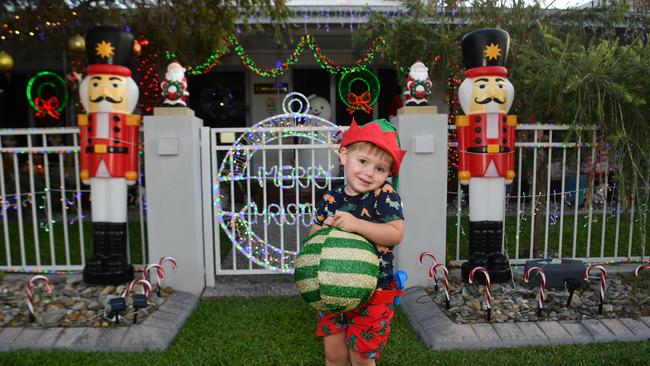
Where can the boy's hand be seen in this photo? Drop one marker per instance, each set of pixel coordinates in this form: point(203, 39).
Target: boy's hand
point(328, 221)
point(345, 221)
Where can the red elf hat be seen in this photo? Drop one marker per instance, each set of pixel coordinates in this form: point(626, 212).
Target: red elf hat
point(381, 133)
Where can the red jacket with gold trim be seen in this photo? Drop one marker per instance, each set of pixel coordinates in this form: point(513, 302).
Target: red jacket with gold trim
point(118, 150)
point(476, 151)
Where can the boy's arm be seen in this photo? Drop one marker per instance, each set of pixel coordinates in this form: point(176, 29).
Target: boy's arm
point(386, 234)
point(314, 228)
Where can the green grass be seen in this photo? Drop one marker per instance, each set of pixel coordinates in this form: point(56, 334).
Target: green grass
point(582, 234)
point(510, 234)
point(281, 332)
point(135, 240)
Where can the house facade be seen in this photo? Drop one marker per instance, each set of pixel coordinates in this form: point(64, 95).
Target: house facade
point(232, 94)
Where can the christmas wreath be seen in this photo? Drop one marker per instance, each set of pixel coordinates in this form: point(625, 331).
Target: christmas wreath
point(363, 101)
point(179, 89)
point(422, 83)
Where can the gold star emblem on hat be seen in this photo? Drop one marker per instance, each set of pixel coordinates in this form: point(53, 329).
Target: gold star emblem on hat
point(105, 49)
point(492, 51)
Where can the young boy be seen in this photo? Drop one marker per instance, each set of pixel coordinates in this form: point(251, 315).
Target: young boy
point(369, 206)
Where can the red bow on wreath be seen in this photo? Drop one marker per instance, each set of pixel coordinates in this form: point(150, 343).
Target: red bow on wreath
point(359, 102)
point(47, 107)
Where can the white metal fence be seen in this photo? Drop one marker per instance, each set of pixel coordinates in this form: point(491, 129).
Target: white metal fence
point(45, 208)
point(268, 180)
point(564, 202)
point(263, 208)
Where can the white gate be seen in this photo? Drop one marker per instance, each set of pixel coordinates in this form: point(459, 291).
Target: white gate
point(267, 181)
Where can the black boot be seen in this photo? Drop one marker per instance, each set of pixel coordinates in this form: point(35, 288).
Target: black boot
point(117, 262)
point(498, 265)
point(115, 268)
point(117, 247)
point(477, 249)
point(96, 262)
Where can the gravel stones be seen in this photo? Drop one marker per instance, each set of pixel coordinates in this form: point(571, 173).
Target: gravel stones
point(72, 303)
point(625, 297)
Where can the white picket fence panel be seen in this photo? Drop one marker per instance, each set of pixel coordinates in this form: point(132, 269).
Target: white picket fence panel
point(589, 231)
point(41, 195)
point(45, 207)
point(569, 230)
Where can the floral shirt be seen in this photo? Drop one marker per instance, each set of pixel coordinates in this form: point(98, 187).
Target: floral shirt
point(381, 206)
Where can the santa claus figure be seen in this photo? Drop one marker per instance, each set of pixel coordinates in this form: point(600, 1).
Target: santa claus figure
point(418, 85)
point(174, 87)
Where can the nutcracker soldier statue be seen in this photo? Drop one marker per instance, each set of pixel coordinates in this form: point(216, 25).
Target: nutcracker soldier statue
point(109, 149)
point(486, 147)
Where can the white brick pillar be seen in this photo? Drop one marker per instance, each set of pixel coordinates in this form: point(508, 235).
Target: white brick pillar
point(174, 202)
point(423, 188)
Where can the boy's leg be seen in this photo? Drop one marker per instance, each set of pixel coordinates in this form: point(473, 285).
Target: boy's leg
point(368, 329)
point(332, 328)
point(336, 352)
point(358, 360)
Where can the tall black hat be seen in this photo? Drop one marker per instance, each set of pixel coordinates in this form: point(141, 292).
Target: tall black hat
point(485, 52)
point(109, 50)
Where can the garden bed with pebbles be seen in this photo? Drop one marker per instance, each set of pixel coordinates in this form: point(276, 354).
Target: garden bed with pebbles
point(625, 297)
point(72, 303)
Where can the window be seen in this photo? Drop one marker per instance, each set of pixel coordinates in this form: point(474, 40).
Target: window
point(219, 98)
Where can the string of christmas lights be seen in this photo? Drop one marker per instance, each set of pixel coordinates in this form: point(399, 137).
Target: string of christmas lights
point(148, 83)
point(274, 72)
point(453, 83)
point(77, 63)
point(16, 28)
point(237, 222)
point(327, 64)
point(233, 45)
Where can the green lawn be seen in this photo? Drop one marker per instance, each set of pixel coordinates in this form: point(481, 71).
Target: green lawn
point(281, 332)
point(135, 240)
point(582, 233)
point(638, 236)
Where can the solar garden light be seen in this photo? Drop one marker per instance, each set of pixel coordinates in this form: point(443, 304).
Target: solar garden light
point(571, 285)
point(117, 306)
point(139, 300)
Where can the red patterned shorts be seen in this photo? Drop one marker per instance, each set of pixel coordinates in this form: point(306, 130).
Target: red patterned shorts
point(366, 327)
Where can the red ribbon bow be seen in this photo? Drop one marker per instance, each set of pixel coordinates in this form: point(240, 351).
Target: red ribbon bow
point(359, 102)
point(47, 107)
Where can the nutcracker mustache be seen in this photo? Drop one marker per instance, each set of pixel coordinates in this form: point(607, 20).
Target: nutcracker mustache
point(489, 99)
point(107, 98)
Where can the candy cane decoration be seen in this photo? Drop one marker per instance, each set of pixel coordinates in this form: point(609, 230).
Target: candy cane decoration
point(603, 279)
point(432, 273)
point(28, 290)
point(168, 259)
point(446, 273)
point(540, 295)
point(160, 274)
point(162, 261)
point(645, 265)
point(146, 285)
point(488, 293)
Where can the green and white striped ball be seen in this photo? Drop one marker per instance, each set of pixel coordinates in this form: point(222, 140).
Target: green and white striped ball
point(336, 271)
